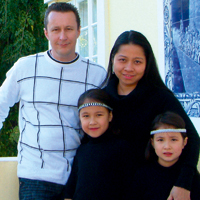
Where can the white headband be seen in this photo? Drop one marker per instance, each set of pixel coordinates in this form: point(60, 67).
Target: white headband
point(94, 104)
point(181, 130)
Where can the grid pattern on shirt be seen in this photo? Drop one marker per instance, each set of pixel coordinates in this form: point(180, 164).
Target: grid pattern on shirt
point(60, 81)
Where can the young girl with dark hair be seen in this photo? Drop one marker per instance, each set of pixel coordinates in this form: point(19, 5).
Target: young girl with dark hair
point(155, 180)
point(138, 95)
point(103, 167)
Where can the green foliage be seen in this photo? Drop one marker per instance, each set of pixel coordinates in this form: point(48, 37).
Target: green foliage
point(10, 134)
point(21, 34)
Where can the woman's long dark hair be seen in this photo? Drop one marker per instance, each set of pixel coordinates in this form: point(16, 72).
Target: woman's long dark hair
point(170, 119)
point(151, 75)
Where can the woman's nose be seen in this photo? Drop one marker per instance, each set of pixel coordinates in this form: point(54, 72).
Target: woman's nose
point(129, 67)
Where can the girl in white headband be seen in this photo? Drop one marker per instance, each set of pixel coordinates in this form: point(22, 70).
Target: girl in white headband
point(103, 166)
point(155, 180)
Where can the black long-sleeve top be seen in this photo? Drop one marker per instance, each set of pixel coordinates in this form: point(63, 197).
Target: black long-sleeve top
point(103, 168)
point(154, 182)
point(133, 115)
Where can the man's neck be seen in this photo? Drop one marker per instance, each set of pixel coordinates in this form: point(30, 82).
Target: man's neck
point(64, 59)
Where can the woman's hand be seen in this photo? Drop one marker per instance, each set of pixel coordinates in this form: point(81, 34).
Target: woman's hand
point(178, 193)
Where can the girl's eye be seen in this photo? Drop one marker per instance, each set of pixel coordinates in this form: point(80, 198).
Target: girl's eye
point(99, 115)
point(85, 116)
point(160, 140)
point(174, 140)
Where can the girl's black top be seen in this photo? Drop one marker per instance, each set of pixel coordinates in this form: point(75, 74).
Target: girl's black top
point(103, 168)
point(154, 182)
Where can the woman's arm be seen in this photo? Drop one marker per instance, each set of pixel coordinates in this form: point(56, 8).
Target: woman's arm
point(190, 153)
point(182, 187)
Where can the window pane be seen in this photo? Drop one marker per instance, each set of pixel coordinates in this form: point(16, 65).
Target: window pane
point(94, 11)
point(94, 28)
point(95, 59)
point(83, 43)
point(83, 12)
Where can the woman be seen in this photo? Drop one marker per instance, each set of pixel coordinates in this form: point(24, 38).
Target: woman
point(139, 95)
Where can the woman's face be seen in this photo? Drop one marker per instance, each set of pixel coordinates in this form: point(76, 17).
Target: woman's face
point(129, 65)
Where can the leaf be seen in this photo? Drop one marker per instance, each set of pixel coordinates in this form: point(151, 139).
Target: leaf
point(21, 34)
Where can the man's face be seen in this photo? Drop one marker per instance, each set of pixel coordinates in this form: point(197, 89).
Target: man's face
point(62, 32)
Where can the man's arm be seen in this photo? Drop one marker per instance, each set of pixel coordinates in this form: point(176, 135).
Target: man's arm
point(9, 94)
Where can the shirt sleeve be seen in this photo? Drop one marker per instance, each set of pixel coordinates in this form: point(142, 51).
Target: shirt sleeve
point(9, 94)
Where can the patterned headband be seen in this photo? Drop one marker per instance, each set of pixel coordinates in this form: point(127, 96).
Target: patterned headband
point(181, 130)
point(94, 104)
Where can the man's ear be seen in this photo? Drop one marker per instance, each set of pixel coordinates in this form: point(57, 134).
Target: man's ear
point(46, 33)
point(79, 31)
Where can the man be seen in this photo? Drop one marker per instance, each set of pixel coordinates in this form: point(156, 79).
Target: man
point(48, 85)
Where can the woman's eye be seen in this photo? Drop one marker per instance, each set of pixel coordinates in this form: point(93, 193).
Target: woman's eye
point(160, 140)
point(122, 60)
point(137, 61)
point(174, 139)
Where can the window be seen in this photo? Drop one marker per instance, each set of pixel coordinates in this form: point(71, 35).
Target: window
point(91, 43)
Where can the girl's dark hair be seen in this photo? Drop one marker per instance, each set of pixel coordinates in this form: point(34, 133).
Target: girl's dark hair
point(97, 95)
point(151, 75)
point(166, 119)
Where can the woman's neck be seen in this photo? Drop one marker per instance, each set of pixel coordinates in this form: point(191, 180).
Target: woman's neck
point(125, 90)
